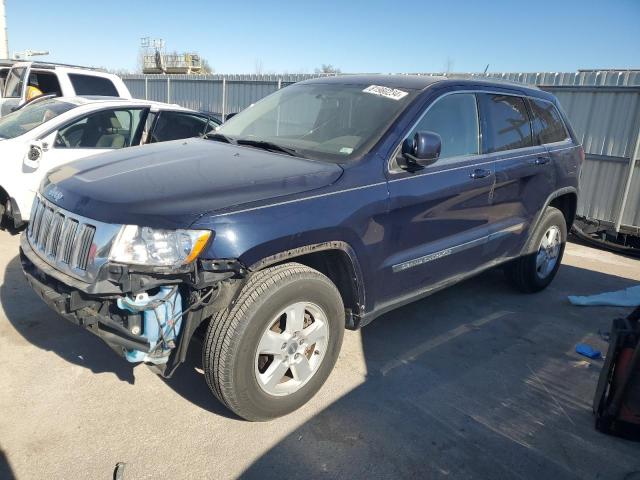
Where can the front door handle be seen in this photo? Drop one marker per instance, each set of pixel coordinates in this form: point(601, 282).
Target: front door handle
point(541, 160)
point(480, 173)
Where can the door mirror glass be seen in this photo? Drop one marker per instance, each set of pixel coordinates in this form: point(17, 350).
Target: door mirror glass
point(421, 150)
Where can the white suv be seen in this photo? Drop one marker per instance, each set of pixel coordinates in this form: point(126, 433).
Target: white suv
point(54, 79)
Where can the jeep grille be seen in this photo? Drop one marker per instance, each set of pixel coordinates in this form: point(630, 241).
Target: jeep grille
point(57, 237)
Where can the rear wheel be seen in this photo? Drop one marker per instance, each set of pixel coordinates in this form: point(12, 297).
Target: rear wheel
point(536, 269)
point(273, 350)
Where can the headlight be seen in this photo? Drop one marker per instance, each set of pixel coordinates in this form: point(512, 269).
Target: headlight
point(149, 246)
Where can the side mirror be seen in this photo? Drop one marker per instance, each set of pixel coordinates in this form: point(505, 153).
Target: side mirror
point(32, 159)
point(420, 151)
point(35, 152)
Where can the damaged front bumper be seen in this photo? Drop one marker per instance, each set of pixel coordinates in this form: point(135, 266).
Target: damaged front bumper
point(144, 315)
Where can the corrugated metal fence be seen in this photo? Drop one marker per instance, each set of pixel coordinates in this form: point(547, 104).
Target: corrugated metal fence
point(603, 106)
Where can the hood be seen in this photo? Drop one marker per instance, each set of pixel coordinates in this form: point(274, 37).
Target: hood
point(172, 184)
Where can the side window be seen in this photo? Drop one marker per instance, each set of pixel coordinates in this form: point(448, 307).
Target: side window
point(455, 119)
point(45, 83)
point(548, 126)
point(90, 85)
point(506, 123)
point(108, 129)
point(177, 125)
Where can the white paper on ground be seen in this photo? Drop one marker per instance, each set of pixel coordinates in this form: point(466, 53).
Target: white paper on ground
point(629, 297)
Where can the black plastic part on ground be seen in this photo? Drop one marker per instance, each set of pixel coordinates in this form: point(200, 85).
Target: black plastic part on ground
point(617, 399)
point(596, 239)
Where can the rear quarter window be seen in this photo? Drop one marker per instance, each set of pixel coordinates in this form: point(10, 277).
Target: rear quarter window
point(548, 126)
point(506, 123)
point(89, 85)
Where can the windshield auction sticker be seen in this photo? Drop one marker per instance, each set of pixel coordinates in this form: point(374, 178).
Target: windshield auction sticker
point(392, 93)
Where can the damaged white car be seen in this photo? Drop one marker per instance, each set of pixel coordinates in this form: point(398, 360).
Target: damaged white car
point(50, 132)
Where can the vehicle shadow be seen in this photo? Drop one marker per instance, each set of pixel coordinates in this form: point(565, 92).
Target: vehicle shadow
point(42, 327)
point(6, 472)
point(477, 381)
point(189, 382)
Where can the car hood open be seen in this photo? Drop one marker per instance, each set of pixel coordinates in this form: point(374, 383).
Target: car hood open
point(172, 184)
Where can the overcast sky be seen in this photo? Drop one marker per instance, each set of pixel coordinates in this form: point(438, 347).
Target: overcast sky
point(364, 36)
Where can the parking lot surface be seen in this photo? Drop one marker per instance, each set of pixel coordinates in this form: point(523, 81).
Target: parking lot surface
point(477, 381)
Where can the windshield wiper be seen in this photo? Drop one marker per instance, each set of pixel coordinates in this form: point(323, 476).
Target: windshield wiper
point(218, 137)
point(270, 146)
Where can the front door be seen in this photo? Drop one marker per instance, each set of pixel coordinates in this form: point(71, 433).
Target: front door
point(92, 134)
point(15, 87)
point(439, 216)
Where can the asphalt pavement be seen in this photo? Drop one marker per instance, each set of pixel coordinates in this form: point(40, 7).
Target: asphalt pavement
point(477, 381)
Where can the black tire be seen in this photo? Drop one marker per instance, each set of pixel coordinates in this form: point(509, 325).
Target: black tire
point(523, 272)
point(232, 338)
point(4, 222)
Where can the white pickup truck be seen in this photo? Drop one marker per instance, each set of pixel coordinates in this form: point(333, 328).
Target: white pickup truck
point(16, 78)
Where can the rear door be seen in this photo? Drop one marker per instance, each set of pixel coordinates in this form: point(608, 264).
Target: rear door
point(524, 173)
point(15, 87)
point(550, 130)
point(439, 218)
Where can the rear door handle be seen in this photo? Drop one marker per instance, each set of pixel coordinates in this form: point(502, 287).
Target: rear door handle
point(541, 160)
point(480, 173)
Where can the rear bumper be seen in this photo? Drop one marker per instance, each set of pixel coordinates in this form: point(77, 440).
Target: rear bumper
point(70, 302)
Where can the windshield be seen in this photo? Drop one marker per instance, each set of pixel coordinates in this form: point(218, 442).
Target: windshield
point(31, 116)
point(325, 121)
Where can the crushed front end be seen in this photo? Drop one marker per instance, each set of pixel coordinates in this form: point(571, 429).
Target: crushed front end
point(146, 308)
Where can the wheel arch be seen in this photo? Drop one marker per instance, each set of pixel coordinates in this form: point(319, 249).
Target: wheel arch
point(567, 203)
point(335, 259)
point(564, 199)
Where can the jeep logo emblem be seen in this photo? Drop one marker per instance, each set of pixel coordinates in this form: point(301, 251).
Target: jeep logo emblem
point(54, 194)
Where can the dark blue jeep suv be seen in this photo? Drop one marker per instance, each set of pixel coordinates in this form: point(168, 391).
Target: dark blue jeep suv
point(320, 207)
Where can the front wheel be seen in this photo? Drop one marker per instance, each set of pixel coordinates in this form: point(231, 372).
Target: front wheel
point(274, 349)
point(535, 270)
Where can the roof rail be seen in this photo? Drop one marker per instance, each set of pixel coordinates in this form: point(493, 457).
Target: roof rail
point(41, 64)
point(492, 78)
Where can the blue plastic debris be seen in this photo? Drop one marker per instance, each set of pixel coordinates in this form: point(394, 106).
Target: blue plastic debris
point(162, 319)
point(588, 351)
